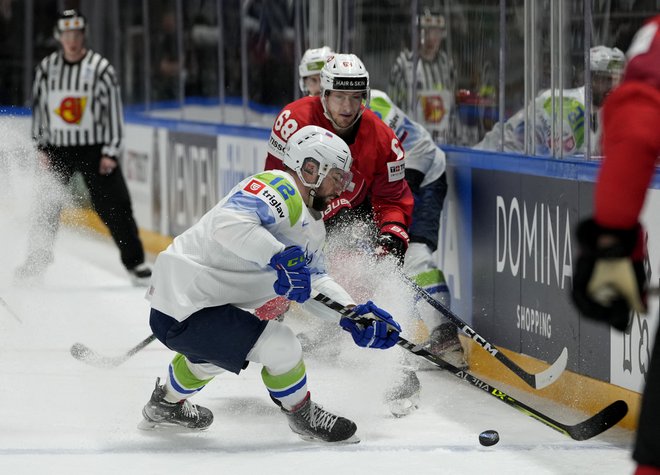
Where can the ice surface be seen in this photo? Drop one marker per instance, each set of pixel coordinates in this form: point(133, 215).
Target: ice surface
point(60, 416)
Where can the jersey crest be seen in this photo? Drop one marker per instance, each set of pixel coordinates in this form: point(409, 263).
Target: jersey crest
point(71, 109)
point(277, 192)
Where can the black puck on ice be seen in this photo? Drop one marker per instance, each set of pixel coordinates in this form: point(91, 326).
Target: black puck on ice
point(489, 437)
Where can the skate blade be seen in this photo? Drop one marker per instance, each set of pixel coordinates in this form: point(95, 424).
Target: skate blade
point(354, 439)
point(148, 425)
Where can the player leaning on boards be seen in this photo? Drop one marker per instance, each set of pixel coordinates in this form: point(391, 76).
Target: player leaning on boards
point(610, 278)
point(77, 124)
point(267, 229)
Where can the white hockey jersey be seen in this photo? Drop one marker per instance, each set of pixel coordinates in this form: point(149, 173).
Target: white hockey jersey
point(571, 139)
point(223, 258)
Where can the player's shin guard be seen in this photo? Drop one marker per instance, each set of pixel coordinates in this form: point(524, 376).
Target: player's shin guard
point(443, 339)
point(287, 389)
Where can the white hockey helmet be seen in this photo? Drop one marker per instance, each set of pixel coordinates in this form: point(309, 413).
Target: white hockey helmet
point(606, 66)
point(69, 20)
point(315, 151)
point(346, 73)
point(311, 64)
point(605, 59)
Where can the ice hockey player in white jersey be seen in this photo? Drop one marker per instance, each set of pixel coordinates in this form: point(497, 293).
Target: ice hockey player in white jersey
point(606, 66)
point(264, 239)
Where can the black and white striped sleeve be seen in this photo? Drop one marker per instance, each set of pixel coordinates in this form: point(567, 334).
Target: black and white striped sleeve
point(113, 122)
point(40, 117)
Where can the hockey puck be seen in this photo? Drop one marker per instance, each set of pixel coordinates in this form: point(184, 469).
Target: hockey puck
point(489, 437)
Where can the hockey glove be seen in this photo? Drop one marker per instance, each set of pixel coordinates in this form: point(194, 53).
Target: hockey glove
point(293, 278)
point(609, 278)
point(376, 328)
point(393, 240)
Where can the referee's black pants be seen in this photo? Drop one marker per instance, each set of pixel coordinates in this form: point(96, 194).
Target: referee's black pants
point(108, 193)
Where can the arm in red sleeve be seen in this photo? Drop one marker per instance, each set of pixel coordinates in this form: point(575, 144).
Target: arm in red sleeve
point(391, 197)
point(631, 145)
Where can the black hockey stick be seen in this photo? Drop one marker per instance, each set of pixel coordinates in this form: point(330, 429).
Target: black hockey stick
point(537, 381)
point(87, 355)
point(596, 424)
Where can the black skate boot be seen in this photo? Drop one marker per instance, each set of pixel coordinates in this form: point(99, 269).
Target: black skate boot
point(140, 275)
point(403, 397)
point(311, 422)
point(159, 412)
point(445, 344)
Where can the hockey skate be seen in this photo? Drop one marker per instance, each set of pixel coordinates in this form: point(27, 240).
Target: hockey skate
point(140, 275)
point(403, 397)
point(446, 345)
point(160, 413)
point(313, 423)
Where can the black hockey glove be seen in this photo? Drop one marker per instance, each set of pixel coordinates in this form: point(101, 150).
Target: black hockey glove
point(609, 279)
point(414, 179)
point(393, 240)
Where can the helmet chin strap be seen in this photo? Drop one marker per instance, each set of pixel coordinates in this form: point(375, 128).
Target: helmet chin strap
point(310, 199)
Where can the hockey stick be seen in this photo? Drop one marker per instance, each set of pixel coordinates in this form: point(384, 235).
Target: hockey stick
point(10, 310)
point(537, 381)
point(596, 424)
point(87, 355)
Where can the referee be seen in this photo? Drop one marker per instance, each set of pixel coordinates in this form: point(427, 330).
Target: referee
point(77, 125)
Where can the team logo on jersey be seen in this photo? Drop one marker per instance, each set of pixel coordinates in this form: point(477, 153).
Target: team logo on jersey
point(254, 187)
point(276, 146)
point(396, 170)
point(434, 108)
point(71, 109)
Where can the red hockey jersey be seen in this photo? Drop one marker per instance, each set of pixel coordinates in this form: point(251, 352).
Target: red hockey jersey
point(378, 159)
point(631, 137)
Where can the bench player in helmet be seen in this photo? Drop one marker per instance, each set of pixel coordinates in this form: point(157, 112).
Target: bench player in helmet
point(265, 238)
point(606, 66)
point(310, 67)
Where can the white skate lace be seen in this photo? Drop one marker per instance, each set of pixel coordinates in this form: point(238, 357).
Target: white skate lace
point(189, 409)
point(320, 418)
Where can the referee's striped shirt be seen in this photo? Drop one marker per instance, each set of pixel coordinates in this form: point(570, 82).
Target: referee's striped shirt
point(77, 104)
point(429, 75)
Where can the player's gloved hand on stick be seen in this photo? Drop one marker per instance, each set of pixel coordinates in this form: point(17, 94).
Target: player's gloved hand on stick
point(293, 278)
point(609, 279)
point(376, 328)
point(393, 240)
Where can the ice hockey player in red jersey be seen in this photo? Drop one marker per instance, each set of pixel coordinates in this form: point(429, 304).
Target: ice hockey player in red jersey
point(609, 279)
point(378, 185)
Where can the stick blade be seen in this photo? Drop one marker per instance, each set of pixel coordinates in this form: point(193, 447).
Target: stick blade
point(599, 422)
point(87, 355)
point(552, 373)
